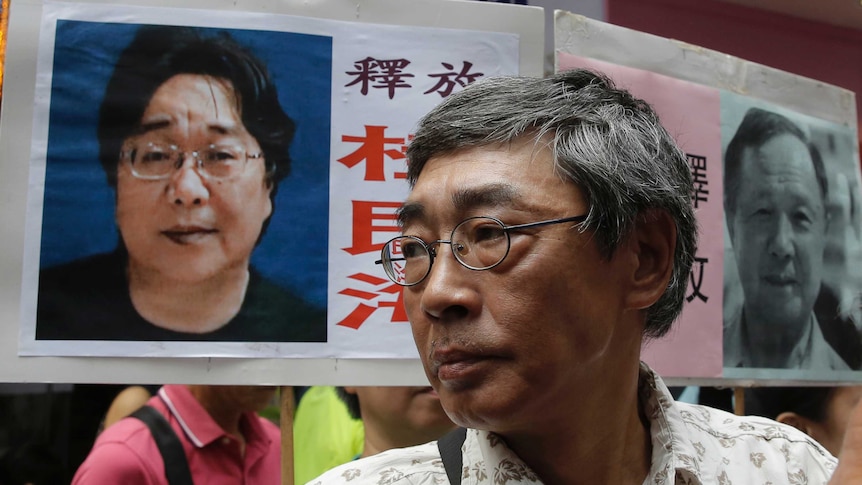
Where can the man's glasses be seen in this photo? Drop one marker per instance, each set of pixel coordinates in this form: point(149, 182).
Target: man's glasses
point(157, 161)
point(478, 243)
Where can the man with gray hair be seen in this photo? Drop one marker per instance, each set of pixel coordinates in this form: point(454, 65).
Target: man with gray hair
point(548, 232)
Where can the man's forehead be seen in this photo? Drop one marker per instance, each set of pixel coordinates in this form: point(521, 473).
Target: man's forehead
point(519, 175)
point(784, 165)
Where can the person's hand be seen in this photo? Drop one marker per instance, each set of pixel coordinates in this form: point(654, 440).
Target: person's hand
point(843, 250)
point(849, 471)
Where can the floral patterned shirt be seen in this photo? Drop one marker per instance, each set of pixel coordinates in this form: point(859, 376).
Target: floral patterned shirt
point(691, 445)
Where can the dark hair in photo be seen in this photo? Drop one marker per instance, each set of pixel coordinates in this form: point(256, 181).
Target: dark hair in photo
point(158, 53)
point(758, 127)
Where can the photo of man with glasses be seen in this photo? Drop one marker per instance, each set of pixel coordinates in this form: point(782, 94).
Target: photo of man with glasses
point(194, 142)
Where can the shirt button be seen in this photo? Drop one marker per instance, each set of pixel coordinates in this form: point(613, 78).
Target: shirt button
point(225, 441)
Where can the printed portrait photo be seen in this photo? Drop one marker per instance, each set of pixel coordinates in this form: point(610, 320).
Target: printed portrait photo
point(186, 185)
point(792, 213)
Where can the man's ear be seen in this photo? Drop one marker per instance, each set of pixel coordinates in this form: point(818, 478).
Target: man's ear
point(799, 422)
point(653, 245)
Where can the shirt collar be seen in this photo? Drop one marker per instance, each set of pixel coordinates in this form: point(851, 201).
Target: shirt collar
point(801, 352)
point(489, 460)
point(811, 352)
point(673, 454)
point(200, 428)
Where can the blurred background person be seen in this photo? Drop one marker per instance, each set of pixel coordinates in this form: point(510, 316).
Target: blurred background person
point(388, 417)
point(194, 141)
point(820, 412)
point(127, 402)
point(325, 434)
point(396, 416)
point(223, 437)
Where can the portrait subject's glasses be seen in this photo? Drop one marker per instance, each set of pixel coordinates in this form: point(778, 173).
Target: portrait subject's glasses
point(157, 161)
point(478, 243)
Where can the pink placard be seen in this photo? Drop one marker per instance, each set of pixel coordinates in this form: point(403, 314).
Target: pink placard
point(692, 114)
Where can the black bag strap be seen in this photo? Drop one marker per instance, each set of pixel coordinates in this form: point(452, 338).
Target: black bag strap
point(176, 466)
point(450, 452)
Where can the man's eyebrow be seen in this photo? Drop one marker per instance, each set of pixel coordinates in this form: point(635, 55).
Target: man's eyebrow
point(463, 200)
point(223, 129)
point(484, 196)
point(408, 212)
point(153, 126)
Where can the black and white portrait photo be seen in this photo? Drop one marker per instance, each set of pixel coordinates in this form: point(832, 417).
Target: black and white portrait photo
point(791, 200)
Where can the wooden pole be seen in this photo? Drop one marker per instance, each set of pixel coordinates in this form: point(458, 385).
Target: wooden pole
point(4, 28)
point(286, 423)
point(739, 401)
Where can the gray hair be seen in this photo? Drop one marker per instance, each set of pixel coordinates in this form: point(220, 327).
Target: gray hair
point(609, 143)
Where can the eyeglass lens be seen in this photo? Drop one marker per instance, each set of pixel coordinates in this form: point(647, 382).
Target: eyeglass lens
point(477, 243)
point(155, 160)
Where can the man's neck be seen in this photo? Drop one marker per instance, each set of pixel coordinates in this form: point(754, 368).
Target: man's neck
point(609, 444)
point(202, 307)
point(227, 415)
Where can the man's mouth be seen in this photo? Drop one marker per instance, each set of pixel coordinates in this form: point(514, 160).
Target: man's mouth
point(780, 279)
point(450, 364)
point(188, 234)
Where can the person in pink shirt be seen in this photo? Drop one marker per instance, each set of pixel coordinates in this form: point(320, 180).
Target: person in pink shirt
point(224, 440)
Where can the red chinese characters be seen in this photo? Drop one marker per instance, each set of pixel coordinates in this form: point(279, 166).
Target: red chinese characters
point(374, 149)
point(376, 294)
point(373, 220)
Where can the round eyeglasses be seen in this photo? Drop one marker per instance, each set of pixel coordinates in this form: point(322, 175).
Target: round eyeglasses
point(157, 161)
point(478, 243)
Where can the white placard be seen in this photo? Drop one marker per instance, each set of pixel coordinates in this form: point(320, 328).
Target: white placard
point(440, 29)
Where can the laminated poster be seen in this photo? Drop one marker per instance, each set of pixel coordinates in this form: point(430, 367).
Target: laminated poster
point(213, 183)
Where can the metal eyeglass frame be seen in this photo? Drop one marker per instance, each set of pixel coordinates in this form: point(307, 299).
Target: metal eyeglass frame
point(432, 253)
point(181, 157)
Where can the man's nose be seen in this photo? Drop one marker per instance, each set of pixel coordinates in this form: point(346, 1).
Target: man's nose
point(781, 242)
point(449, 290)
point(186, 186)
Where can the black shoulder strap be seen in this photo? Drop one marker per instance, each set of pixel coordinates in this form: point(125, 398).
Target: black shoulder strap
point(176, 467)
point(450, 453)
